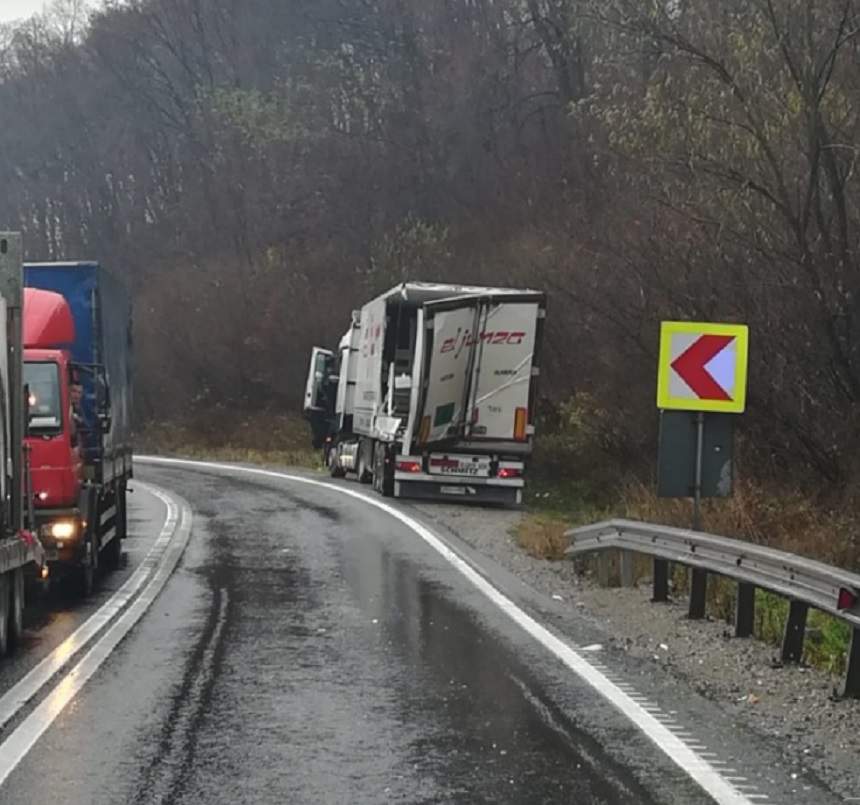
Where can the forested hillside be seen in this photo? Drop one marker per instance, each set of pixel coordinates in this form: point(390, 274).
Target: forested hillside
point(257, 168)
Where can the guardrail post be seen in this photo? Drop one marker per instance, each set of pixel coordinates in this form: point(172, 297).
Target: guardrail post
point(745, 610)
point(795, 628)
point(661, 581)
point(604, 568)
point(698, 593)
point(627, 569)
point(851, 688)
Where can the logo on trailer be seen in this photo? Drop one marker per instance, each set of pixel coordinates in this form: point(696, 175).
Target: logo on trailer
point(502, 337)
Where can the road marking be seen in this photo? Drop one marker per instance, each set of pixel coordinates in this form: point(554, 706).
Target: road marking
point(28, 686)
point(694, 765)
point(170, 545)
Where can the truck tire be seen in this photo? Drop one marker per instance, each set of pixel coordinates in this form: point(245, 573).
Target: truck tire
point(112, 553)
point(383, 472)
point(365, 476)
point(86, 573)
point(5, 599)
point(16, 615)
point(334, 468)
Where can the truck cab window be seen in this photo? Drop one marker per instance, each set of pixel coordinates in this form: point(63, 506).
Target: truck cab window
point(43, 381)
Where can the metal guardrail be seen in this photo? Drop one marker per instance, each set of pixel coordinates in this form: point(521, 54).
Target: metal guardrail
point(804, 582)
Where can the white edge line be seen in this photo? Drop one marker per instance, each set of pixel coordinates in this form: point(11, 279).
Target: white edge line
point(15, 748)
point(692, 764)
point(26, 688)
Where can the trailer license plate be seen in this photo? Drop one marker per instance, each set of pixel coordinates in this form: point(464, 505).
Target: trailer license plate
point(468, 466)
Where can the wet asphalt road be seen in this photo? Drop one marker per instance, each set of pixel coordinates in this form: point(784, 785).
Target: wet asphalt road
point(310, 649)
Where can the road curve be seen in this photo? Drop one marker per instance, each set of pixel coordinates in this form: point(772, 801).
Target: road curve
point(311, 647)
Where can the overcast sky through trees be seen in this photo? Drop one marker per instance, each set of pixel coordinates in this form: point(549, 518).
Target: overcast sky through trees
point(18, 9)
point(21, 9)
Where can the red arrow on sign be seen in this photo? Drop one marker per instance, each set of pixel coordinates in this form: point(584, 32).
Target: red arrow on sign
point(690, 365)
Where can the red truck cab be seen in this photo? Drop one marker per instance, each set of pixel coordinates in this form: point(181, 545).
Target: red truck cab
point(57, 469)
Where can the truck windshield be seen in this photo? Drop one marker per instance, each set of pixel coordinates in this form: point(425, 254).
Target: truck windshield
point(43, 381)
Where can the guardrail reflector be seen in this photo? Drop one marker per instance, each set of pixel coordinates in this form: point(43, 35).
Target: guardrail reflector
point(847, 599)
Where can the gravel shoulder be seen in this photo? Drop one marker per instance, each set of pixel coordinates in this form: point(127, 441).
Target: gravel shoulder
point(794, 707)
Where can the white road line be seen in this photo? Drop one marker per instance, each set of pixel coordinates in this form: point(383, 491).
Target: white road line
point(28, 686)
point(696, 767)
point(25, 735)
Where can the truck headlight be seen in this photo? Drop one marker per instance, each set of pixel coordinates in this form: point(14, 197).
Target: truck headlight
point(63, 529)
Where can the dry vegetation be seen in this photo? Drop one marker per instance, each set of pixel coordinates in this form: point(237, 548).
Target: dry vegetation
point(542, 536)
point(275, 439)
point(785, 518)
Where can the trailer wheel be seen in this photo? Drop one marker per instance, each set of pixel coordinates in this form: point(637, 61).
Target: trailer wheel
point(5, 599)
point(16, 616)
point(365, 476)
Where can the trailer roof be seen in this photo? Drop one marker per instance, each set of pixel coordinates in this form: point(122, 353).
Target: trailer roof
point(417, 293)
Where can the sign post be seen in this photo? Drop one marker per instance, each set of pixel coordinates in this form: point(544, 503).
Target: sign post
point(703, 372)
point(700, 452)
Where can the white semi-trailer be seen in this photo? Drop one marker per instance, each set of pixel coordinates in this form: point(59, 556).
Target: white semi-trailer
point(431, 393)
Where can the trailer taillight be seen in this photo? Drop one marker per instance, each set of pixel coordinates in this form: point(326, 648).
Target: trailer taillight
point(408, 466)
point(521, 418)
point(510, 472)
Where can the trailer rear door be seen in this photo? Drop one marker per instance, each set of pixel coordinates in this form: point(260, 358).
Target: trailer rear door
point(502, 375)
point(478, 367)
point(450, 349)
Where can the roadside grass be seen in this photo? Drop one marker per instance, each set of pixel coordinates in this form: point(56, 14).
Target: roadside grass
point(542, 536)
point(273, 439)
point(553, 507)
